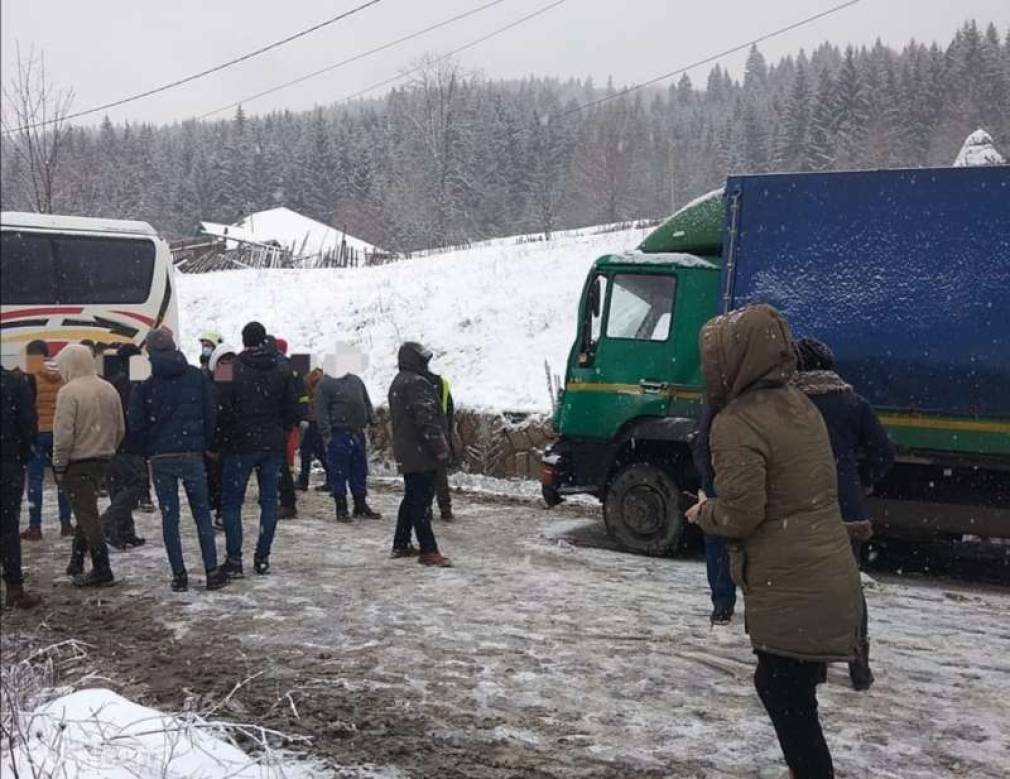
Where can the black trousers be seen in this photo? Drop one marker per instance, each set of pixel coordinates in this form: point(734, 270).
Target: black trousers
point(311, 446)
point(415, 512)
point(12, 485)
point(788, 690)
point(213, 468)
point(126, 481)
point(286, 487)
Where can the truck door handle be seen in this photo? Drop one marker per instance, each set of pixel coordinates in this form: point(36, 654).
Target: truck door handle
point(652, 387)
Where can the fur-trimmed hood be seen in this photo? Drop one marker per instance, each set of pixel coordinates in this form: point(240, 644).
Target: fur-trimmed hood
point(820, 382)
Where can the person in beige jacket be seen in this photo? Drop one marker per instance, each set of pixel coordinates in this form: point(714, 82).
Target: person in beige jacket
point(87, 429)
point(778, 506)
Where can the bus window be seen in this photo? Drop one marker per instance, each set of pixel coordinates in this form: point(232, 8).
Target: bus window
point(104, 270)
point(29, 272)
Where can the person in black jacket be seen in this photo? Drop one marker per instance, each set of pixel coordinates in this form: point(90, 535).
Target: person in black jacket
point(863, 455)
point(18, 420)
point(420, 448)
point(720, 582)
point(171, 420)
point(126, 477)
point(343, 410)
point(256, 408)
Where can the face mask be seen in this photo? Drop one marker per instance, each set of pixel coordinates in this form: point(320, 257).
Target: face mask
point(207, 351)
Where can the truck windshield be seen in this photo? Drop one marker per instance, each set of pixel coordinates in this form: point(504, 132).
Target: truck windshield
point(43, 268)
point(641, 307)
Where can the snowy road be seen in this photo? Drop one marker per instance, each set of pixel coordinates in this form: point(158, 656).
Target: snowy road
point(533, 657)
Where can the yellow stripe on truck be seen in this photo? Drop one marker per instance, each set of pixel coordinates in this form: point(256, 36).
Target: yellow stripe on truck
point(62, 334)
point(941, 423)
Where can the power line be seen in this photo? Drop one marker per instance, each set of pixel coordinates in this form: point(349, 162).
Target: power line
point(349, 60)
point(203, 73)
point(454, 52)
point(720, 55)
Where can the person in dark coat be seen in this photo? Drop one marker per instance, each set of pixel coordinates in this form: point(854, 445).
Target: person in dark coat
point(447, 408)
point(720, 583)
point(257, 408)
point(126, 477)
point(17, 433)
point(311, 444)
point(863, 455)
point(172, 419)
point(777, 502)
point(420, 448)
point(288, 508)
point(343, 410)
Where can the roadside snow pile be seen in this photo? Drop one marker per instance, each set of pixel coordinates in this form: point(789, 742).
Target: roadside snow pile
point(978, 150)
point(97, 734)
point(491, 314)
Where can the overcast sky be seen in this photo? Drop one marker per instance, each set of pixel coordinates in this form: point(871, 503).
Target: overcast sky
point(106, 49)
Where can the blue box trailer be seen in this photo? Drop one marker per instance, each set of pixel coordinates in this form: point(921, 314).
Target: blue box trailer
point(906, 275)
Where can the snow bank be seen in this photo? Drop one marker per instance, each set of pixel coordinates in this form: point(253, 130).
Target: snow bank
point(97, 734)
point(491, 314)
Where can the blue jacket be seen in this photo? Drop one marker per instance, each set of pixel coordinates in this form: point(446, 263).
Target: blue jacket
point(174, 411)
point(863, 451)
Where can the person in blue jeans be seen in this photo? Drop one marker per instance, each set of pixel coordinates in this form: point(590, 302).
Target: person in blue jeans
point(343, 410)
point(172, 419)
point(257, 406)
point(716, 547)
point(45, 382)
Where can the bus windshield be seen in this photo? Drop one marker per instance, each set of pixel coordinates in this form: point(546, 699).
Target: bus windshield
point(43, 268)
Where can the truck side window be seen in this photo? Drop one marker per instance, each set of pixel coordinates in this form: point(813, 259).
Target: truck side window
point(641, 307)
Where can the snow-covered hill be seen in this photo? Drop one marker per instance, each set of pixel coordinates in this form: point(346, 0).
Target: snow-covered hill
point(491, 314)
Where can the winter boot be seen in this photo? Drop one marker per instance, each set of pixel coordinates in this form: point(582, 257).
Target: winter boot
point(134, 540)
point(261, 565)
point(859, 669)
point(216, 579)
point(342, 515)
point(446, 515)
point(362, 509)
point(180, 581)
point(410, 551)
point(322, 488)
point(146, 506)
point(287, 512)
point(721, 615)
point(31, 534)
point(77, 550)
point(232, 569)
point(100, 574)
point(434, 559)
point(17, 598)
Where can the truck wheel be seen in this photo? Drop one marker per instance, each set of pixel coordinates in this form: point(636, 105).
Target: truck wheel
point(642, 510)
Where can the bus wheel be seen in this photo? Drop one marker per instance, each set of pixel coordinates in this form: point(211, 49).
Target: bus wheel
point(642, 510)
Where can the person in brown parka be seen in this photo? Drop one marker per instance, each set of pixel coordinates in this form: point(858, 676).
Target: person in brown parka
point(777, 503)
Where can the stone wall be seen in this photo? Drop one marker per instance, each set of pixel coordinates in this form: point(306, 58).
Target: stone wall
point(505, 445)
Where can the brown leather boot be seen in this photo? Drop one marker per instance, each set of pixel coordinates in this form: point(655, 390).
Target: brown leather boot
point(434, 559)
point(31, 534)
point(17, 598)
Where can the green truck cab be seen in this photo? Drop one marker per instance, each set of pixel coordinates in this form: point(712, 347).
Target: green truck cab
point(632, 396)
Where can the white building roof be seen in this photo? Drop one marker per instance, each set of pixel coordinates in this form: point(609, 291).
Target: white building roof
point(304, 236)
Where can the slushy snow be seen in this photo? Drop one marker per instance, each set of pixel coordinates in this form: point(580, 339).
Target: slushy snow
point(97, 734)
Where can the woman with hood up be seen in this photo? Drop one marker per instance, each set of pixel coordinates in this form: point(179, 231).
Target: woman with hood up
point(778, 505)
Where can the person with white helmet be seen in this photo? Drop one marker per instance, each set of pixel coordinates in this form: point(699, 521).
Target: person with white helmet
point(210, 340)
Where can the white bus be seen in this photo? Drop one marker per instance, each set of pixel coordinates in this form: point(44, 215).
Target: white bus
point(65, 279)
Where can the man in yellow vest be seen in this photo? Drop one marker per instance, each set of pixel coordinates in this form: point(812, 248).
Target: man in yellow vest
point(443, 495)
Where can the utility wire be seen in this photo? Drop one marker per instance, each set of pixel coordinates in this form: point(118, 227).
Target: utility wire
point(720, 55)
point(349, 60)
point(454, 52)
point(203, 73)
